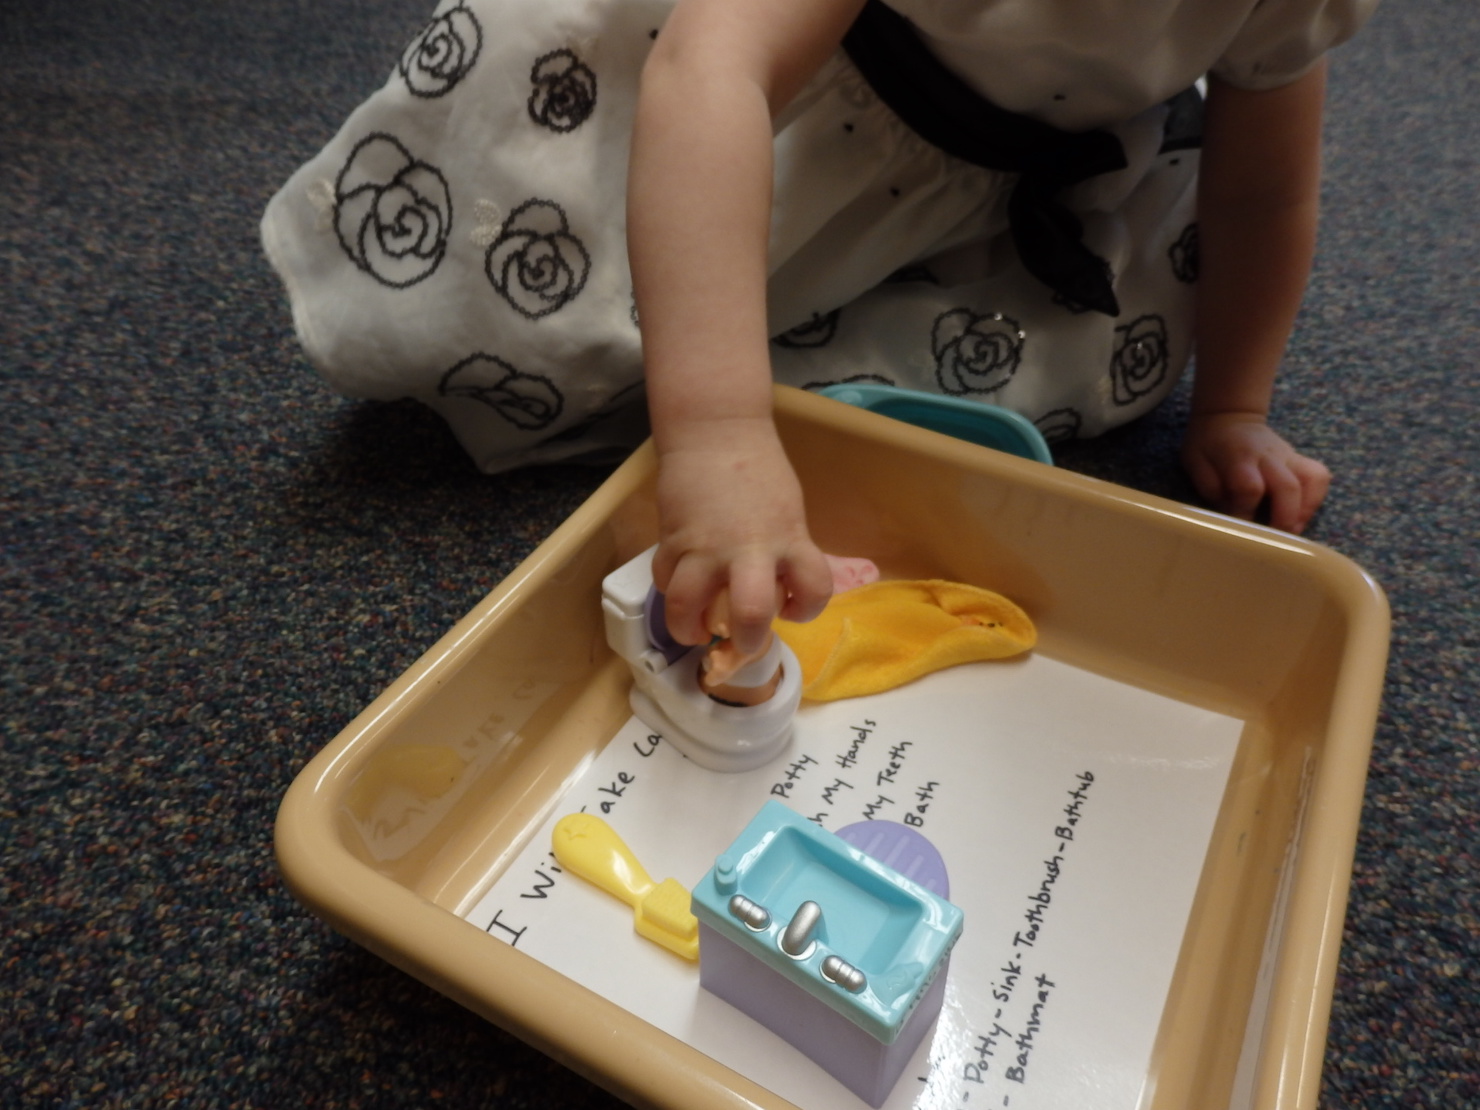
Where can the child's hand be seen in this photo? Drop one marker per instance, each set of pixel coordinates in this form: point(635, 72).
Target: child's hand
point(1237, 462)
point(733, 532)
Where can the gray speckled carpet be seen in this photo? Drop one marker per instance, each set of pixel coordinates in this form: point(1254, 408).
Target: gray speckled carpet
point(209, 564)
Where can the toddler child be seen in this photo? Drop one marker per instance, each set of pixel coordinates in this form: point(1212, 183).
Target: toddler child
point(552, 205)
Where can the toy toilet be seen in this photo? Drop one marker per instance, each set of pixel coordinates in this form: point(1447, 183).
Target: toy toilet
point(666, 693)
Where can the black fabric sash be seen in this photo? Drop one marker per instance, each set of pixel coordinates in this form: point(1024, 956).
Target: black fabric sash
point(948, 113)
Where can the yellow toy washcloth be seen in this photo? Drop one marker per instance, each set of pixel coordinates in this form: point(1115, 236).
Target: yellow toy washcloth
point(883, 635)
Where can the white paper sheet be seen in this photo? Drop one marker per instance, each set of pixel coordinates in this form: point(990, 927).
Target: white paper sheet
point(1073, 814)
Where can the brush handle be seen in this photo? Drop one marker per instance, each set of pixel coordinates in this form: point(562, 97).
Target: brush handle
point(587, 846)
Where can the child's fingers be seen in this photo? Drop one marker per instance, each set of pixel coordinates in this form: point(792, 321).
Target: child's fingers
point(1314, 482)
point(809, 580)
point(665, 560)
point(691, 589)
point(754, 596)
point(1239, 465)
point(1286, 497)
point(1244, 488)
point(1204, 477)
point(1297, 486)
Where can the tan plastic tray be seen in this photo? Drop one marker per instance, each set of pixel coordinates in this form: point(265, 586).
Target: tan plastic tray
point(402, 822)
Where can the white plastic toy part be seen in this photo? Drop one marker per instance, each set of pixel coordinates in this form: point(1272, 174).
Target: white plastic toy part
point(667, 695)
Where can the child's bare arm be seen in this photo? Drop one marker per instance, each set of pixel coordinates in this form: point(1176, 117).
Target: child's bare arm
point(1257, 210)
point(699, 208)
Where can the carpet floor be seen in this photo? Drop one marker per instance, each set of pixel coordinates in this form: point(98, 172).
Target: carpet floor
point(209, 563)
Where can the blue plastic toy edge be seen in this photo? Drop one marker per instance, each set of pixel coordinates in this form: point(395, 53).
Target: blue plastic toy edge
point(973, 421)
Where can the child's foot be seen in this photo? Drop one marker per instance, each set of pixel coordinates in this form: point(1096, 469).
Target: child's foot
point(850, 573)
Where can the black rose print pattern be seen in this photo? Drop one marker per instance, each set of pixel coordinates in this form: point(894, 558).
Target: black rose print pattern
point(442, 54)
point(1184, 256)
point(816, 332)
point(392, 213)
point(1059, 425)
point(564, 91)
point(1140, 361)
point(527, 401)
point(536, 264)
point(975, 353)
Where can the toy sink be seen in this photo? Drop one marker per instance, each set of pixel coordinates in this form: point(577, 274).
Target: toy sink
point(774, 954)
point(408, 816)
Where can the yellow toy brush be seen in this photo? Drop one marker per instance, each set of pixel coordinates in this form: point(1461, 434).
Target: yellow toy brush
point(587, 846)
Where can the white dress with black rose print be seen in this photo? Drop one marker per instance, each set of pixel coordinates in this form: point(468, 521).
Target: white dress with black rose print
point(462, 241)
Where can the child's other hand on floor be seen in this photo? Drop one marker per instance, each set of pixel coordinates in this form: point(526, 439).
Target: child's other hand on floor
point(1258, 199)
point(734, 532)
point(1237, 462)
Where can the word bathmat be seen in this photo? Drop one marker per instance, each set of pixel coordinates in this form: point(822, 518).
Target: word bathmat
point(1073, 814)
